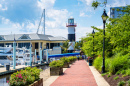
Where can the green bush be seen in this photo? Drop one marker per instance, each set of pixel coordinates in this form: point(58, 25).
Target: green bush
point(98, 63)
point(128, 72)
point(108, 75)
point(57, 63)
point(115, 78)
point(72, 58)
point(105, 74)
point(123, 72)
point(65, 59)
point(121, 83)
point(24, 77)
point(128, 82)
point(118, 63)
point(118, 72)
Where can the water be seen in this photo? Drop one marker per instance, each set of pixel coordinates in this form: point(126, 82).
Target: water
point(5, 78)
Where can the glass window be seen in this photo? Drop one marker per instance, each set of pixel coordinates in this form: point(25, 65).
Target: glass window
point(3, 57)
point(24, 37)
point(71, 21)
point(27, 45)
point(1, 44)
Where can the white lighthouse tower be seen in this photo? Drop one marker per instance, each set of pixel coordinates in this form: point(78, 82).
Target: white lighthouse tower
point(71, 34)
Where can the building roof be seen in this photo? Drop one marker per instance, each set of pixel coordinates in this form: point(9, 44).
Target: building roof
point(26, 37)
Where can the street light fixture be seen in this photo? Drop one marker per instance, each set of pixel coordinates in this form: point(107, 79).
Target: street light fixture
point(104, 18)
point(93, 42)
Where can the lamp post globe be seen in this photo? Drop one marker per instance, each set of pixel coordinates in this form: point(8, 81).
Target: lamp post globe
point(93, 32)
point(104, 18)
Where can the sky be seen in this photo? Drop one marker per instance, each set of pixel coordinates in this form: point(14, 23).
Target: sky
point(23, 16)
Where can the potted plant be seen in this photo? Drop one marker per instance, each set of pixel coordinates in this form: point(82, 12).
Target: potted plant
point(66, 62)
point(26, 77)
point(56, 67)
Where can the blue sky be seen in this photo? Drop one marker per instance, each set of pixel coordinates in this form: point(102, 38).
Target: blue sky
point(23, 16)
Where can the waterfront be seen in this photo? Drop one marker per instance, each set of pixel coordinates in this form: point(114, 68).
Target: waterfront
point(5, 78)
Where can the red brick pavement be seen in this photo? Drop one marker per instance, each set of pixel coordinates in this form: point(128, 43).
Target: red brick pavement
point(78, 74)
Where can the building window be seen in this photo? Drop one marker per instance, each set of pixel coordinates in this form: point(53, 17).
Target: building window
point(1, 38)
point(1, 44)
point(36, 45)
point(24, 37)
point(10, 44)
point(27, 45)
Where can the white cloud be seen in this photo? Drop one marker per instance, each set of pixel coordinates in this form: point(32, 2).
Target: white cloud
point(84, 15)
point(45, 4)
point(87, 2)
point(2, 8)
point(81, 32)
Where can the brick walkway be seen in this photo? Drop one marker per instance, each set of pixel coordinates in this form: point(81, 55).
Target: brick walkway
point(78, 74)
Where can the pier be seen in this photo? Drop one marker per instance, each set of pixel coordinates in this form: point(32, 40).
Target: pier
point(3, 70)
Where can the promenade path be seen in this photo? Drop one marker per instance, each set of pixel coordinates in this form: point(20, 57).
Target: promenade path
point(79, 74)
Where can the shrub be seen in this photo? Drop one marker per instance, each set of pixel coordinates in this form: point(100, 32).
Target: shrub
point(128, 82)
point(128, 72)
point(72, 58)
point(98, 63)
point(115, 78)
point(121, 83)
point(123, 72)
point(24, 77)
point(65, 60)
point(118, 63)
point(124, 75)
point(108, 75)
point(57, 63)
point(118, 72)
point(104, 74)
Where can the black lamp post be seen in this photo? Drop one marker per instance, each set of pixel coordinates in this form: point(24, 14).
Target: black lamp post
point(93, 42)
point(104, 18)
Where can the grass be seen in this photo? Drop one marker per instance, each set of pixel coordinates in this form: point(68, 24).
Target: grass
point(115, 78)
point(121, 83)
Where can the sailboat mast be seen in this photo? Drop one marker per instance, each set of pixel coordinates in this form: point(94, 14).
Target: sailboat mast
point(44, 21)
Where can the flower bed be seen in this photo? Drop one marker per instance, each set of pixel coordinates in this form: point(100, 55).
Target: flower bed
point(24, 77)
point(56, 67)
point(66, 62)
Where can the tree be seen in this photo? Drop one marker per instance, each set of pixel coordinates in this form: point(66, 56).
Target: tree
point(117, 38)
point(65, 46)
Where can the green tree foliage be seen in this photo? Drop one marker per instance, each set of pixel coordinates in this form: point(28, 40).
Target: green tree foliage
point(117, 37)
point(117, 45)
point(95, 4)
point(65, 46)
point(78, 45)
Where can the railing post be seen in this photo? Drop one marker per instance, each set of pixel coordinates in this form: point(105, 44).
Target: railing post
point(14, 54)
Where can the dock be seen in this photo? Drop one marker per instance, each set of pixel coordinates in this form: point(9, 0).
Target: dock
point(3, 70)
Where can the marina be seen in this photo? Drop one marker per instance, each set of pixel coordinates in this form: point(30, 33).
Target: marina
point(6, 77)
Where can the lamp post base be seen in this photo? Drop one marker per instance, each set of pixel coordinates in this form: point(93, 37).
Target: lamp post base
point(103, 69)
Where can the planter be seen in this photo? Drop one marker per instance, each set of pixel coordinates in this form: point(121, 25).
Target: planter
point(37, 83)
point(80, 58)
point(66, 65)
point(90, 62)
point(7, 67)
point(56, 71)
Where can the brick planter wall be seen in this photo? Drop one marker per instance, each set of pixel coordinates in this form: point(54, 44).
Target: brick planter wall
point(56, 71)
point(38, 83)
point(66, 65)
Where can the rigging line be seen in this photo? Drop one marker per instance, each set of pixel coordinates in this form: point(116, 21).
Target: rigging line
point(40, 22)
